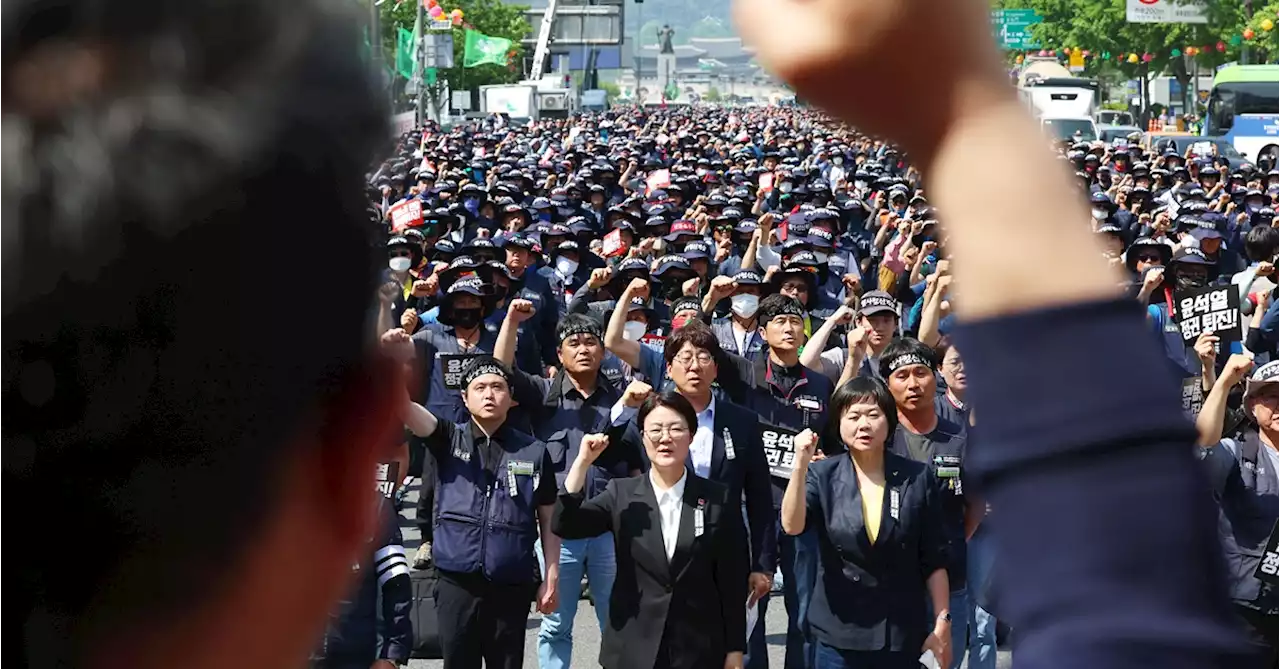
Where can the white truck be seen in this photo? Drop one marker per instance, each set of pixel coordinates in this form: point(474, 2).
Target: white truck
point(547, 98)
point(1050, 90)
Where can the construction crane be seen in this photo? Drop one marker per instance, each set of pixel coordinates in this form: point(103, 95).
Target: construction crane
point(543, 46)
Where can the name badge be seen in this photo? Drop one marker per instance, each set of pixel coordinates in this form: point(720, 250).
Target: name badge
point(698, 518)
point(728, 445)
point(520, 467)
point(947, 466)
point(895, 503)
point(1172, 326)
point(512, 490)
point(809, 403)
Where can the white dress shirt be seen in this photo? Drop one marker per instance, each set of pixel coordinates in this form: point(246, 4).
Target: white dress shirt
point(670, 503)
point(704, 441)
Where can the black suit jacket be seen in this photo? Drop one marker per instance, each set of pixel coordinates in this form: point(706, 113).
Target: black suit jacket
point(746, 472)
point(869, 595)
point(692, 607)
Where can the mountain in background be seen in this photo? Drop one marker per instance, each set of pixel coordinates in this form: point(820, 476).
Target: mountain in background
point(690, 18)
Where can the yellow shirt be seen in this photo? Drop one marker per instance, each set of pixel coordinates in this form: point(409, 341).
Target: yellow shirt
point(872, 506)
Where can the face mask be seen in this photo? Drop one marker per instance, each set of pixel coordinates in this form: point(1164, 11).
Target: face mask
point(1100, 214)
point(859, 184)
point(785, 187)
point(679, 322)
point(399, 264)
point(566, 266)
point(634, 330)
point(838, 161)
point(745, 305)
point(466, 319)
point(701, 171)
point(1191, 282)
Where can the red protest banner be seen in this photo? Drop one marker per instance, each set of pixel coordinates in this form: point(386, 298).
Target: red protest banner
point(612, 244)
point(407, 214)
point(657, 180)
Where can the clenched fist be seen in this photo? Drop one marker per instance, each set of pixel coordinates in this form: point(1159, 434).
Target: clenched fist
point(636, 394)
point(599, 278)
point(721, 286)
point(1238, 365)
point(853, 45)
point(592, 446)
point(806, 445)
point(637, 288)
point(520, 310)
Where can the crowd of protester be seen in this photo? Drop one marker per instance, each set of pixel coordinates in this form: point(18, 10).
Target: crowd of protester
point(755, 260)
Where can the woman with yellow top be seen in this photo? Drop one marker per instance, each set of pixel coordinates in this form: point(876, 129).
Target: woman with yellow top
point(881, 545)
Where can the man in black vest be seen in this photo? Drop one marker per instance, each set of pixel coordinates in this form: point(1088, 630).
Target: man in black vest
point(495, 494)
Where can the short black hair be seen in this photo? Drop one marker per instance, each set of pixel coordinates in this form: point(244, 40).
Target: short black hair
point(143, 217)
point(671, 400)
point(573, 324)
point(1261, 243)
point(905, 346)
point(859, 389)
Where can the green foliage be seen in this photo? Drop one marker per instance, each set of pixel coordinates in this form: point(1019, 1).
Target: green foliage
point(683, 15)
point(611, 90)
point(712, 95)
point(1116, 105)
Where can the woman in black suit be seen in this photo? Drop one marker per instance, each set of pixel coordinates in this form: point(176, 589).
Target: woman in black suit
point(681, 590)
point(881, 546)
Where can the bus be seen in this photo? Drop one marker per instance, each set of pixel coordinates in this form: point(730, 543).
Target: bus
point(1244, 108)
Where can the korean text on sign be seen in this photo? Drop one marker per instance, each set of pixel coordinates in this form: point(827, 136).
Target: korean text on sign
point(1215, 310)
point(453, 368)
point(779, 450)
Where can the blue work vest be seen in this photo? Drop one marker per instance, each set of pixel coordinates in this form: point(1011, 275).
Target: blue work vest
point(1245, 485)
point(486, 518)
point(443, 371)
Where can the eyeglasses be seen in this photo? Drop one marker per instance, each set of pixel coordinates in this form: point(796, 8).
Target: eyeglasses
point(673, 431)
point(1150, 257)
point(954, 365)
point(686, 359)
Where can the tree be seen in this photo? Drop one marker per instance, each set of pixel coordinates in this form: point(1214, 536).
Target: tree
point(491, 17)
point(712, 95)
point(611, 90)
point(1100, 27)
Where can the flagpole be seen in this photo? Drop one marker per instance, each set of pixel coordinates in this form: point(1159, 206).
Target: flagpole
point(420, 70)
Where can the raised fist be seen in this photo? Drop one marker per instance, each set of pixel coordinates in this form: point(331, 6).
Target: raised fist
point(592, 446)
point(520, 310)
point(636, 394)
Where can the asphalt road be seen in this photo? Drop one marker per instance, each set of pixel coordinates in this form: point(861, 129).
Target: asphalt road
point(586, 632)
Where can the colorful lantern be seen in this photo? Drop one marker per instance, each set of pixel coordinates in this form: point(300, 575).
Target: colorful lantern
point(1175, 53)
point(1220, 46)
point(1106, 55)
point(1133, 58)
point(436, 12)
point(1085, 53)
point(1248, 33)
point(1267, 25)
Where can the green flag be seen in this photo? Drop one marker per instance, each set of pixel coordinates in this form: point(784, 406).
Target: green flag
point(481, 49)
point(404, 53)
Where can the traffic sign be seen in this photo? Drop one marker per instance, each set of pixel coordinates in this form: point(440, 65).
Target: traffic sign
point(1012, 28)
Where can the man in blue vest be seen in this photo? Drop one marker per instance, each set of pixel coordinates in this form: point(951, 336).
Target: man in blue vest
point(575, 403)
point(494, 499)
point(528, 284)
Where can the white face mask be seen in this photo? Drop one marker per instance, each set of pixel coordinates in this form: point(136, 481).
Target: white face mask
point(745, 305)
point(785, 187)
point(838, 160)
point(566, 266)
point(634, 330)
point(1100, 214)
point(859, 184)
point(399, 264)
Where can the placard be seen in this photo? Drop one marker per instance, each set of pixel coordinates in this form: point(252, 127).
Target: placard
point(657, 180)
point(1192, 396)
point(765, 182)
point(611, 245)
point(387, 477)
point(1269, 567)
point(1212, 309)
point(779, 449)
point(406, 214)
point(452, 366)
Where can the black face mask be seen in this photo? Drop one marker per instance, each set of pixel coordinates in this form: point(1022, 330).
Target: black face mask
point(467, 319)
point(672, 289)
point(1191, 281)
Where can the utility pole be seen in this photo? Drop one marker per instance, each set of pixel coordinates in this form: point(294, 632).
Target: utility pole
point(375, 45)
